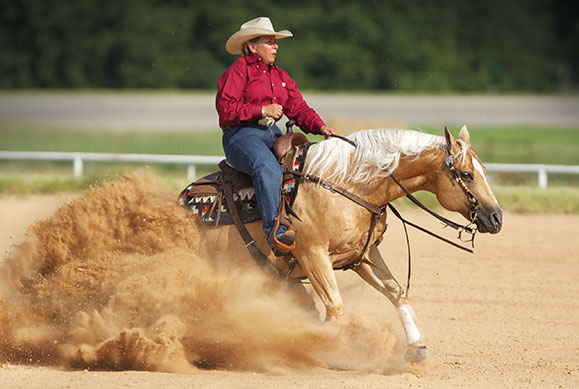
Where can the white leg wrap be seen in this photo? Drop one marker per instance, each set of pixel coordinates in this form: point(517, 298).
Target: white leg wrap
point(407, 317)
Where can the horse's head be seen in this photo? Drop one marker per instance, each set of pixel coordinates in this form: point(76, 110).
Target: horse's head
point(463, 187)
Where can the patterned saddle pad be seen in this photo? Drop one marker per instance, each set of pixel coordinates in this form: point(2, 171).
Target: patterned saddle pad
point(204, 200)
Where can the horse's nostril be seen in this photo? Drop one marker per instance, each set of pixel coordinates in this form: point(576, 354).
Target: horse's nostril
point(496, 220)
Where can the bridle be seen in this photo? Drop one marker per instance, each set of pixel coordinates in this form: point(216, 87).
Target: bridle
point(458, 178)
point(470, 228)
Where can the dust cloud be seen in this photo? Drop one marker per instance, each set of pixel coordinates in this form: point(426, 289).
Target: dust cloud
point(115, 280)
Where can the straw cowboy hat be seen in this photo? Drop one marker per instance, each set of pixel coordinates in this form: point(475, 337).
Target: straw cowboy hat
point(253, 29)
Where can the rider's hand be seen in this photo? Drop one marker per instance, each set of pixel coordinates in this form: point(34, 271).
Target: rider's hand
point(327, 131)
point(273, 111)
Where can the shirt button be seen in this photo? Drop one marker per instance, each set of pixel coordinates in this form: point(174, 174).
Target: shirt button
point(274, 98)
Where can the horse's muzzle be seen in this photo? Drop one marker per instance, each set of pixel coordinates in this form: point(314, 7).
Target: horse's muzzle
point(489, 220)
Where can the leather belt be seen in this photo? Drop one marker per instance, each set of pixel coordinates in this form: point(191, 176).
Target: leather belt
point(236, 126)
point(255, 123)
point(227, 128)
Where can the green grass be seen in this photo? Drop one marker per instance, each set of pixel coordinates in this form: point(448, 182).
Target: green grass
point(21, 137)
point(35, 181)
point(524, 199)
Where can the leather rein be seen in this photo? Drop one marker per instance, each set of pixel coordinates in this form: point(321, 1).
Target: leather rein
point(378, 211)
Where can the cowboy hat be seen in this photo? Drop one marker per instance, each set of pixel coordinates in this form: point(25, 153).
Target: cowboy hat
point(253, 29)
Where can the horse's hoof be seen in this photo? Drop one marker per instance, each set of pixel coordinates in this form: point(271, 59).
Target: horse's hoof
point(416, 353)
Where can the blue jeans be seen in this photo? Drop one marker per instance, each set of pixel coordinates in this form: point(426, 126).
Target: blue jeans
point(248, 148)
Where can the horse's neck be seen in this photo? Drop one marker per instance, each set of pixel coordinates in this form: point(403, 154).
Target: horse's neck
point(413, 173)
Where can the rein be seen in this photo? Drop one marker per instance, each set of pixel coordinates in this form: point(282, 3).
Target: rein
point(460, 228)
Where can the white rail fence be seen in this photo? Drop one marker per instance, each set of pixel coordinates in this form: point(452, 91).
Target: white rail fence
point(78, 159)
point(191, 161)
point(540, 169)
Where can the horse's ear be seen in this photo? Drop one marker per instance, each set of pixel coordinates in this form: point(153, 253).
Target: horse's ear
point(450, 141)
point(464, 134)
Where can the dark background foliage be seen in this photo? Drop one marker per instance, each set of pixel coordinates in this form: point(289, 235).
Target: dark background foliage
point(393, 45)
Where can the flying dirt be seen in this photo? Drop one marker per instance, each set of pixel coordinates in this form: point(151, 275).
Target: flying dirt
point(117, 280)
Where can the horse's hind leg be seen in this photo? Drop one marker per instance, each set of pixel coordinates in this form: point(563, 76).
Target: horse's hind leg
point(375, 272)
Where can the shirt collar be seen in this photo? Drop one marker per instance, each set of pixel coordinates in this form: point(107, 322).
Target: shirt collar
point(253, 58)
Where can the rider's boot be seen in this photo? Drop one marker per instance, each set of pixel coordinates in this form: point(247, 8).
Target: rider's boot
point(282, 237)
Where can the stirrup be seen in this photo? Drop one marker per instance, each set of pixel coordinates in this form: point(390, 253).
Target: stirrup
point(281, 248)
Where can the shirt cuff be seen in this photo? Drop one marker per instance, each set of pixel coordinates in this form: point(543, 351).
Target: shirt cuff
point(318, 124)
point(256, 112)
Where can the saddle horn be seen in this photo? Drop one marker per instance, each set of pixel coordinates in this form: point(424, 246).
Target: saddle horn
point(288, 126)
point(288, 140)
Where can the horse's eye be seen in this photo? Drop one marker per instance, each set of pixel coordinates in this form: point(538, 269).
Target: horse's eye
point(467, 176)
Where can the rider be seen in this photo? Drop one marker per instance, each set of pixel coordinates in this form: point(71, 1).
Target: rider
point(252, 94)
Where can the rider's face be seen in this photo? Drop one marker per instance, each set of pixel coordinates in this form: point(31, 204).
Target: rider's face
point(266, 47)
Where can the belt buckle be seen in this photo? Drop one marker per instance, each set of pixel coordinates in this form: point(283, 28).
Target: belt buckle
point(266, 121)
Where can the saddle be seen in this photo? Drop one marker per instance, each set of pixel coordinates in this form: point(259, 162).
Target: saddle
point(204, 198)
point(228, 197)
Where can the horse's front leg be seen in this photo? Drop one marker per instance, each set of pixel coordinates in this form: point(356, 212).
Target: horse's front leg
point(375, 272)
point(317, 266)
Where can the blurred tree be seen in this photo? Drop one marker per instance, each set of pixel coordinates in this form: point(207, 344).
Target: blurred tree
point(425, 46)
point(565, 26)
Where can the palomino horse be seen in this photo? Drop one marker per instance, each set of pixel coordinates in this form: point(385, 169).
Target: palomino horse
point(333, 230)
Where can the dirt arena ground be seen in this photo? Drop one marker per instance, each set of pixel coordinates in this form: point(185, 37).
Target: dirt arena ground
point(507, 316)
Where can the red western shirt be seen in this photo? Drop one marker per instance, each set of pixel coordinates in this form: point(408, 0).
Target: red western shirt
point(249, 84)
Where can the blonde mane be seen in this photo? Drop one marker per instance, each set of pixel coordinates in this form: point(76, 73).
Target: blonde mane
point(377, 154)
